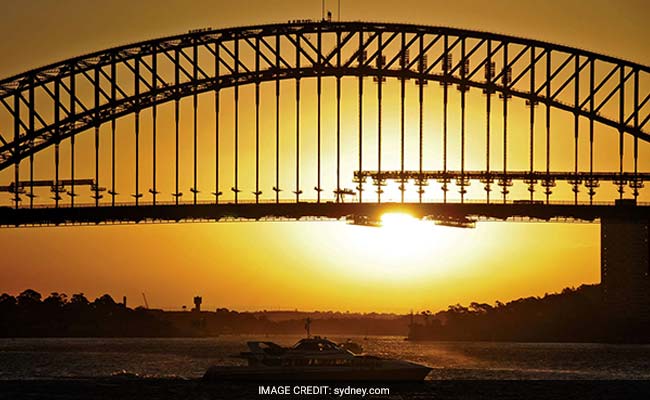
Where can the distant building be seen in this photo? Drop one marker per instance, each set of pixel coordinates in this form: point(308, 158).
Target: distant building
point(625, 268)
point(197, 303)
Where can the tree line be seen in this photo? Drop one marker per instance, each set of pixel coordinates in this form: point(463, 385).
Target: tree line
point(574, 315)
point(28, 315)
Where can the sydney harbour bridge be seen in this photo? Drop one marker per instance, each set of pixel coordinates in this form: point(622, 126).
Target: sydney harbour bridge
point(341, 129)
point(323, 119)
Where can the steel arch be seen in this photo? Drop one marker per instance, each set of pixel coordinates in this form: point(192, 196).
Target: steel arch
point(33, 131)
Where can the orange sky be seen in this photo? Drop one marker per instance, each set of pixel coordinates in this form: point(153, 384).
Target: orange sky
point(305, 265)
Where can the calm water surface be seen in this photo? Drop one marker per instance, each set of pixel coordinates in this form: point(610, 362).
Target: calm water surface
point(189, 358)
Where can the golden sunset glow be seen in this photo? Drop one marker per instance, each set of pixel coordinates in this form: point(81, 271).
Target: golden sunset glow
point(405, 264)
point(397, 250)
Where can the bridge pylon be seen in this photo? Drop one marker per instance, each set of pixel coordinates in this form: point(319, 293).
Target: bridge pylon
point(625, 268)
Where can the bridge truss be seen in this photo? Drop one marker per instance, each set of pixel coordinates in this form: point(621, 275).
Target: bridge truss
point(48, 108)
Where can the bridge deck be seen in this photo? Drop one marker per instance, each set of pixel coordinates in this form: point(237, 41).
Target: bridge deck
point(519, 211)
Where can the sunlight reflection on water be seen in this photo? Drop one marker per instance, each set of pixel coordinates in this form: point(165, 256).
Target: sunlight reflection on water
point(189, 358)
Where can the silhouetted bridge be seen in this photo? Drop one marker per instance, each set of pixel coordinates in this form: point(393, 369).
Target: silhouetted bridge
point(340, 119)
point(421, 153)
point(451, 214)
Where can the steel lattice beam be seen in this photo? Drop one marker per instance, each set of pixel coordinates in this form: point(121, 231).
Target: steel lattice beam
point(130, 79)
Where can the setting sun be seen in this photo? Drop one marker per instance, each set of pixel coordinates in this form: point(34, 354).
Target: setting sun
point(399, 221)
point(401, 249)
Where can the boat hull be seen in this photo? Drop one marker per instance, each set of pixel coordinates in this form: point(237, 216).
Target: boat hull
point(317, 374)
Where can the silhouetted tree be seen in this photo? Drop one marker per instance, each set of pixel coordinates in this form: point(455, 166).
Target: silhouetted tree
point(458, 309)
point(481, 308)
point(7, 301)
point(79, 299)
point(104, 300)
point(56, 300)
point(572, 315)
point(28, 298)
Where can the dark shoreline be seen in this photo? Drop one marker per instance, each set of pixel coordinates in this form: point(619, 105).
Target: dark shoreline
point(576, 315)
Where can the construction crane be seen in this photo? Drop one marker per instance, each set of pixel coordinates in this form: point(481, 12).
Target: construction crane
point(146, 304)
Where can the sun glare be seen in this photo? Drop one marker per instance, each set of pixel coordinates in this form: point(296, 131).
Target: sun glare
point(398, 249)
point(400, 222)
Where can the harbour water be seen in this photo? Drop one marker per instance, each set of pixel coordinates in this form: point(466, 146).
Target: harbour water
point(188, 358)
